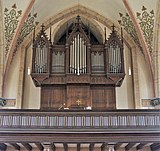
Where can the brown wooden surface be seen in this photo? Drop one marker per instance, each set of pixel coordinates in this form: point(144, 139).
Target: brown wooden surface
point(72, 96)
point(103, 97)
point(52, 97)
point(78, 95)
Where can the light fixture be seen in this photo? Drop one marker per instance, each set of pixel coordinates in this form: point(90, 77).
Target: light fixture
point(29, 71)
point(129, 71)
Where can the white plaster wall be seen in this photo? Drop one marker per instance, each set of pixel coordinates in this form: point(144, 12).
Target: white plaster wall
point(145, 83)
point(11, 84)
point(124, 94)
point(31, 97)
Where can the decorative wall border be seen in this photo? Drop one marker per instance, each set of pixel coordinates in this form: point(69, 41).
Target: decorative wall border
point(28, 26)
point(129, 27)
point(11, 20)
point(146, 22)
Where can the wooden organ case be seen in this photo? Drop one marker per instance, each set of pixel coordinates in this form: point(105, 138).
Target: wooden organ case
point(77, 72)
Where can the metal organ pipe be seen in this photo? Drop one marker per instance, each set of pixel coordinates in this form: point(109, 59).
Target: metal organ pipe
point(58, 61)
point(114, 58)
point(70, 60)
point(41, 59)
point(75, 50)
point(85, 61)
point(77, 55)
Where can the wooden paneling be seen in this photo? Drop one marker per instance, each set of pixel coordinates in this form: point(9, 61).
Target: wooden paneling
point(103, 98)
point(52, 97)
point(78, 96)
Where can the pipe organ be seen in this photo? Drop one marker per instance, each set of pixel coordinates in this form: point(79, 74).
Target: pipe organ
point(77, 72)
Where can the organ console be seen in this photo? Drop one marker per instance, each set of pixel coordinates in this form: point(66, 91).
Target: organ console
point(78, 65)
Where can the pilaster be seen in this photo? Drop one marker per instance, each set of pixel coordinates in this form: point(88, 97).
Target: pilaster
point(21, 77)
point(135, 78)
point(1, 51)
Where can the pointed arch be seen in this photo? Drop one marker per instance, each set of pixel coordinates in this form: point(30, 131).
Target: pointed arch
point(93, 25)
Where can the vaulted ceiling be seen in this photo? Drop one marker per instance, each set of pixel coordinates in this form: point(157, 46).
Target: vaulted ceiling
point(137, 17)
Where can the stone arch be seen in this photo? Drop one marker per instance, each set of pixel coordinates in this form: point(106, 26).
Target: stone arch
point(99, 33)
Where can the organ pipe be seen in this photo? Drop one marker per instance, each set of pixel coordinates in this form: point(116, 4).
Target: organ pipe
point(78, 55)
point(114, 58)
point(41, 59)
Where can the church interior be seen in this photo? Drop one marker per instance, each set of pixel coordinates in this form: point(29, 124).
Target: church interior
point(80, 75)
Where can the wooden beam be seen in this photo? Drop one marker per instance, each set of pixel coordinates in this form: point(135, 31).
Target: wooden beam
point(117, 146)
point(129, 146)
point(91, 147)
point(103, 146)
point(16, 146)
point(27, 146)
point(140, 146)
point(3, 147)
point(78, 147)
point(155, 147)
point(39, 146)
point(65, 145)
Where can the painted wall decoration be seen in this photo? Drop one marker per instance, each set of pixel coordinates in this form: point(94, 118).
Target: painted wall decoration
point(11, 20)
point(129, 27)
point(146, 22)
point(27, 28)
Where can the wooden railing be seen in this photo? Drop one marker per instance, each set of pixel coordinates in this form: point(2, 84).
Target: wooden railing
point(80, 120)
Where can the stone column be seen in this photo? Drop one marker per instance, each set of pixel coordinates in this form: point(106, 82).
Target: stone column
point(135, 78)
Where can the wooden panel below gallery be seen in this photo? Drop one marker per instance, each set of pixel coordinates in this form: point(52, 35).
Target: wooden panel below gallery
point(103, 97)
point(53, 97)
point(78, 97)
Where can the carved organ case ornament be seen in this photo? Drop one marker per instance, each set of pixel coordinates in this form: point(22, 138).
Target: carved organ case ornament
point(77, 71)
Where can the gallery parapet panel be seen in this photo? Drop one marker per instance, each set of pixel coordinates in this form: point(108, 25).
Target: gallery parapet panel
point(110, 121)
